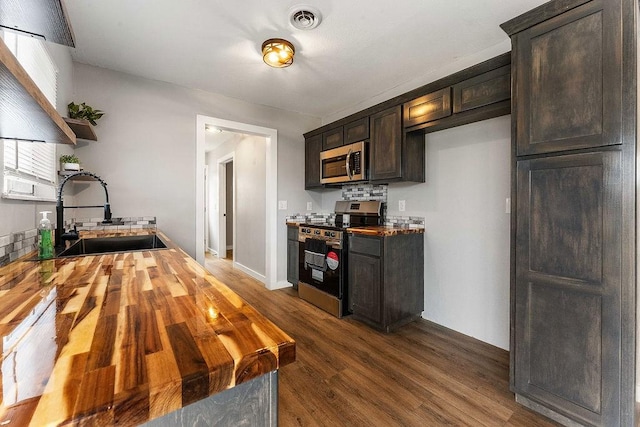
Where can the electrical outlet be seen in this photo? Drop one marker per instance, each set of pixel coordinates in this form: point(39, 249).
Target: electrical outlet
point(401, 205)
point(309, 206)
point(282, 205)
point(507, 205)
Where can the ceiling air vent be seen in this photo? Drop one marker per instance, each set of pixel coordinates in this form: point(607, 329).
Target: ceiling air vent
point(304, 17)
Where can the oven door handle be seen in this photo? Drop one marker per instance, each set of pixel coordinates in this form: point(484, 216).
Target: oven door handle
point(348, 165)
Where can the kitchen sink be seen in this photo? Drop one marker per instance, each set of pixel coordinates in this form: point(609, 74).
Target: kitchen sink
point(105, 245)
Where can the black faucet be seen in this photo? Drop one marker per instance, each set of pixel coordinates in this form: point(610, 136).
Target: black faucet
point(61, 235)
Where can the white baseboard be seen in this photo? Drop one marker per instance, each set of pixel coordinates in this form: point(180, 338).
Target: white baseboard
point(279, 285)
point(259, 277)
point(212, 252)
point(229, 247)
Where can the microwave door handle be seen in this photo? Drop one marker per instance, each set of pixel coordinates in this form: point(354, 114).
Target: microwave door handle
point(348, 165)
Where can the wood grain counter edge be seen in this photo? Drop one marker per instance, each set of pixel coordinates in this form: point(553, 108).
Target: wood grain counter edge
point(124, 338)
point(382, 231)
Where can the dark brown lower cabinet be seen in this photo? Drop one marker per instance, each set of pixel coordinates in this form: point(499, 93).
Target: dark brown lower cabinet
point(292, 255)
point(567, 285)
point(386, 279)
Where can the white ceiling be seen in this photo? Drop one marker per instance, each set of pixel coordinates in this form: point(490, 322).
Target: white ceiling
point(362, 47)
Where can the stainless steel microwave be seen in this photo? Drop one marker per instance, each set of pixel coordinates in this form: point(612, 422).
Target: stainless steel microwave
point(344, 164)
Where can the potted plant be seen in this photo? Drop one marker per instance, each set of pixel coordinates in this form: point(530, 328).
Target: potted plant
point(85, 112)
point(69, 162)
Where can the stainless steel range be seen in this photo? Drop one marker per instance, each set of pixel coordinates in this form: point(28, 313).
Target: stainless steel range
point(323, 254)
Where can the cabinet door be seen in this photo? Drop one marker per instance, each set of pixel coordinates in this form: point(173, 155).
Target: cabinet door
point(566, 300)
point(487, 88)
point(313, 147)
point(333, 138)
point(364, 286)
point(356, 131)
point(568, 86)
point(429, 107)
point(385, 151)
point(292, 262)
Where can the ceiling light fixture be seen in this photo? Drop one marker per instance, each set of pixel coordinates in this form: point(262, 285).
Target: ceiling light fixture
point(278, 53)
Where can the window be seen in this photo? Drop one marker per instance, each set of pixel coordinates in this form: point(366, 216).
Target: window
point(29, 170)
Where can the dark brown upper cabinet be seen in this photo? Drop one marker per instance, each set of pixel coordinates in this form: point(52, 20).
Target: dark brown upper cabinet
point(485, 89)
point(333, 138)
point(385, 151)
point(313, 147)
point(427, 108)
point(356, 131)
point(44, 18)
point(568, 86)
point(392, 157)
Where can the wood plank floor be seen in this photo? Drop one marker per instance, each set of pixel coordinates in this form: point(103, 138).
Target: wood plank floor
point(347, 374)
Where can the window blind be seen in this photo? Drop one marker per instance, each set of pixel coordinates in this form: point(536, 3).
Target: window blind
point(30, 167)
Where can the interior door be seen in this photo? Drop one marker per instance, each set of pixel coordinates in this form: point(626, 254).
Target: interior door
point(567, 286)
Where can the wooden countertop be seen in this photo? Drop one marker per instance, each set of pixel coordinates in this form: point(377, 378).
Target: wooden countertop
point(383, 230)
point(124, 338)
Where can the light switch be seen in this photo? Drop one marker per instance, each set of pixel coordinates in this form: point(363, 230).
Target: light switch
point(507, 205)
point(401, 205)
point(282, 205)
point(309, 206)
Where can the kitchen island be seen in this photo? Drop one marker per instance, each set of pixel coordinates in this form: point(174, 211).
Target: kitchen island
point(126, 338)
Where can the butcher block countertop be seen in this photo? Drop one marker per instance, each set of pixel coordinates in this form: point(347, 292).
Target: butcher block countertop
point(384, 230)
point(124, 338)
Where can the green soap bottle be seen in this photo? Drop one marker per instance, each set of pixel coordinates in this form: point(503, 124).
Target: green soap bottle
point(45, 237)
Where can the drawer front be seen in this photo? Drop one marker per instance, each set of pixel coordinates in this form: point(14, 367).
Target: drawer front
point(292, 232)
point(430, 107)
point(487, 88)
point(365, 245)
point(356, 131)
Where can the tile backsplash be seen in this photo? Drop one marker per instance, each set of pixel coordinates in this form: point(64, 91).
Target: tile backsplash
point(16, 245)
point(19, 244)
point(359, 192)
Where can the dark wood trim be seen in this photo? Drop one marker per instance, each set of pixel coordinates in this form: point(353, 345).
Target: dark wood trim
point(539, 14)
point(467, 73)
point(629, 413)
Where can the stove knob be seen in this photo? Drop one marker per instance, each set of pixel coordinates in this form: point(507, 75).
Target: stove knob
point(318, 232)
point(333, 234)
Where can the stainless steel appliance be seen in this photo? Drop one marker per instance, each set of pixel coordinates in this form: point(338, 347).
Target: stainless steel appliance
point(323, 254)
point(344, 164)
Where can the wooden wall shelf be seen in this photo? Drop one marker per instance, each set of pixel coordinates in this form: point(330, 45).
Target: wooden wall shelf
point(82, 128)
point(65, 174)
point(25, 113)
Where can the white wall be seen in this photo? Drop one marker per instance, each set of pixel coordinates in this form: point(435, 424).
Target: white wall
point(147, 142)
point(18, 215)
point(467, 229)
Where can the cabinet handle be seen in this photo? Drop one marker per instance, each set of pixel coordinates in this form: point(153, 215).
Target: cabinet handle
point(348, 165)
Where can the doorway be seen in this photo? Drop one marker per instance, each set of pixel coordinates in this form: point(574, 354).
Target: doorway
point(270, 188)
point(225, 201)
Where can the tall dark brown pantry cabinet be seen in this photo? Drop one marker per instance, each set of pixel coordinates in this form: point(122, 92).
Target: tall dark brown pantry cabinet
point(573, 247)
